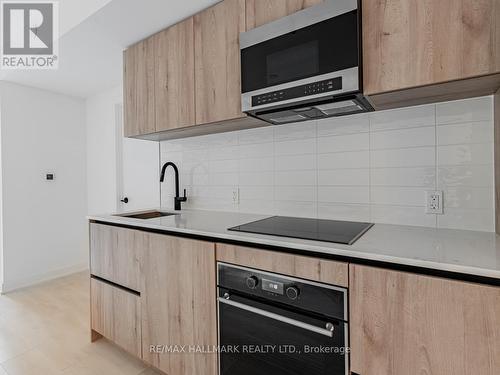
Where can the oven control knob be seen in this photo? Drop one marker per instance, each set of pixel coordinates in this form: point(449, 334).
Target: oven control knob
point(292, 292)
point(252, 282)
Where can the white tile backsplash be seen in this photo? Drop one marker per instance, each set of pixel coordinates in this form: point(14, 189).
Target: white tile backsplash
point(344, 160)
point(411, 176)
point(410, 117)
point(296, 193)
point(466, 175)
point(354, 124)
point(295, 147)
point(459, 111)
point(366, 167)
point(295, 178)
point(403, 157)
point(297, 209)
point(415, 137)
point(344, 194)
point(466, 154)
point(397, 196)
point(298, 130)
point(473, 132)
point(344, 177)
point(295, 162)
point(342, 143)
point(343, 211)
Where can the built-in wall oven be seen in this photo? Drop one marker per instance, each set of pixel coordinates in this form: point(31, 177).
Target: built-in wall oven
point(304, 66)
point(279, 325)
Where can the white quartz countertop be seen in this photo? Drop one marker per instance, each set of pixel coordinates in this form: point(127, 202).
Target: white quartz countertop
point(462, 251)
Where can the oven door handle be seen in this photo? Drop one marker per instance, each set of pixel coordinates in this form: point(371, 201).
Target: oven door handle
point(284, 319)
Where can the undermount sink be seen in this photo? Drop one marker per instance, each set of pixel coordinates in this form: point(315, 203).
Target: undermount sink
point(147, 215)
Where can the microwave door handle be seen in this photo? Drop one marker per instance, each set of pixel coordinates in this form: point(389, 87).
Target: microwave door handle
point(284, 319)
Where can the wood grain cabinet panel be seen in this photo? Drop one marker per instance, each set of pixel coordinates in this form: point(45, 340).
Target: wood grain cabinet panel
point(115, 314)
point(260, 12)
point(326, 271)
point(138, 89)
point(116, 254)
point(217, 61)
point(179, 303)
point(410, 324)
point(174, 76)
point(408, 43)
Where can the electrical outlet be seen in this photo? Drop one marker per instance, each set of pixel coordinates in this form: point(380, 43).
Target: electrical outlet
point(236, 195)
point(434, 202)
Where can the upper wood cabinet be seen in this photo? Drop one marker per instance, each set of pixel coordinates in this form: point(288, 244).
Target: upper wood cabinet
point(410, 324)
point(179, 303)
point(174, 76)
point(138, 89)
point(259, 12)
point(217, 61)
point(408, 43)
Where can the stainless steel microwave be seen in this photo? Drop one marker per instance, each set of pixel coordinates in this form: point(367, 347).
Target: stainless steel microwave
point(304, 66)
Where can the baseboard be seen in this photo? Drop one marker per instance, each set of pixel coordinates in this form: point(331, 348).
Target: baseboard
point(11, 286)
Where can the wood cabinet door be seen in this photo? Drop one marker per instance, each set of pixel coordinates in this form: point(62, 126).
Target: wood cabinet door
point(217, 61)
point(174, 76)
point(402, 323)
point(179, 303)
point(408, 43)
point(116, 314)
point(138, 89)
point(260, 12)
point(116, 254)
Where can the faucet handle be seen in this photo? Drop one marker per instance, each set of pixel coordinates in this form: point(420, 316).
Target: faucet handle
point(181, 199)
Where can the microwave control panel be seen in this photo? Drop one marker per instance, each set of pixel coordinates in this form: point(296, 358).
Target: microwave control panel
point(327, 85)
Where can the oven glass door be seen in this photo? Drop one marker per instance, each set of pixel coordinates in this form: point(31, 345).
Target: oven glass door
point(321, 48)
point(255, 339)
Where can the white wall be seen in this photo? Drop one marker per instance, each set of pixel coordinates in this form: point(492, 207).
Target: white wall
point(101, 151)
point(44, 225)
point(369, 167)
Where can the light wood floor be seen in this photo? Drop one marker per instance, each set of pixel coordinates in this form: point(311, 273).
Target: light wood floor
point(44, 330)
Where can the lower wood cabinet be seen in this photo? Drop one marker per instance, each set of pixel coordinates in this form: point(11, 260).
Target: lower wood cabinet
point(400, 323)
point(174, 303)
point(116, 315)
point(410, 324)
point(179, 304)
point(116, 254)
point(322, 270)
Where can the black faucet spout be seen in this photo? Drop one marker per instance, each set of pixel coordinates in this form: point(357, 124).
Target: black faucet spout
point(177, 199)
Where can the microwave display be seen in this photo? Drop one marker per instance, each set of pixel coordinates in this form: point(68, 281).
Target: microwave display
point(321, 48)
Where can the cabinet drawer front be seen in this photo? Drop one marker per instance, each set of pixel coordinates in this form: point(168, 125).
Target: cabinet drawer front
point(305, 267)
point(116, 314)
point(116, 254)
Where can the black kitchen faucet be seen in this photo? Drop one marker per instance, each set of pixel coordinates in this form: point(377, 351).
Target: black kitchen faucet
point(177, 199)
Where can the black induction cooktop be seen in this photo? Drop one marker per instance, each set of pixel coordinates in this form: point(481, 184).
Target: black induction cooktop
point(343, 232)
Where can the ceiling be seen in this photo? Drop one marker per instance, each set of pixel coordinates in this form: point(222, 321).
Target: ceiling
point(90, 52)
